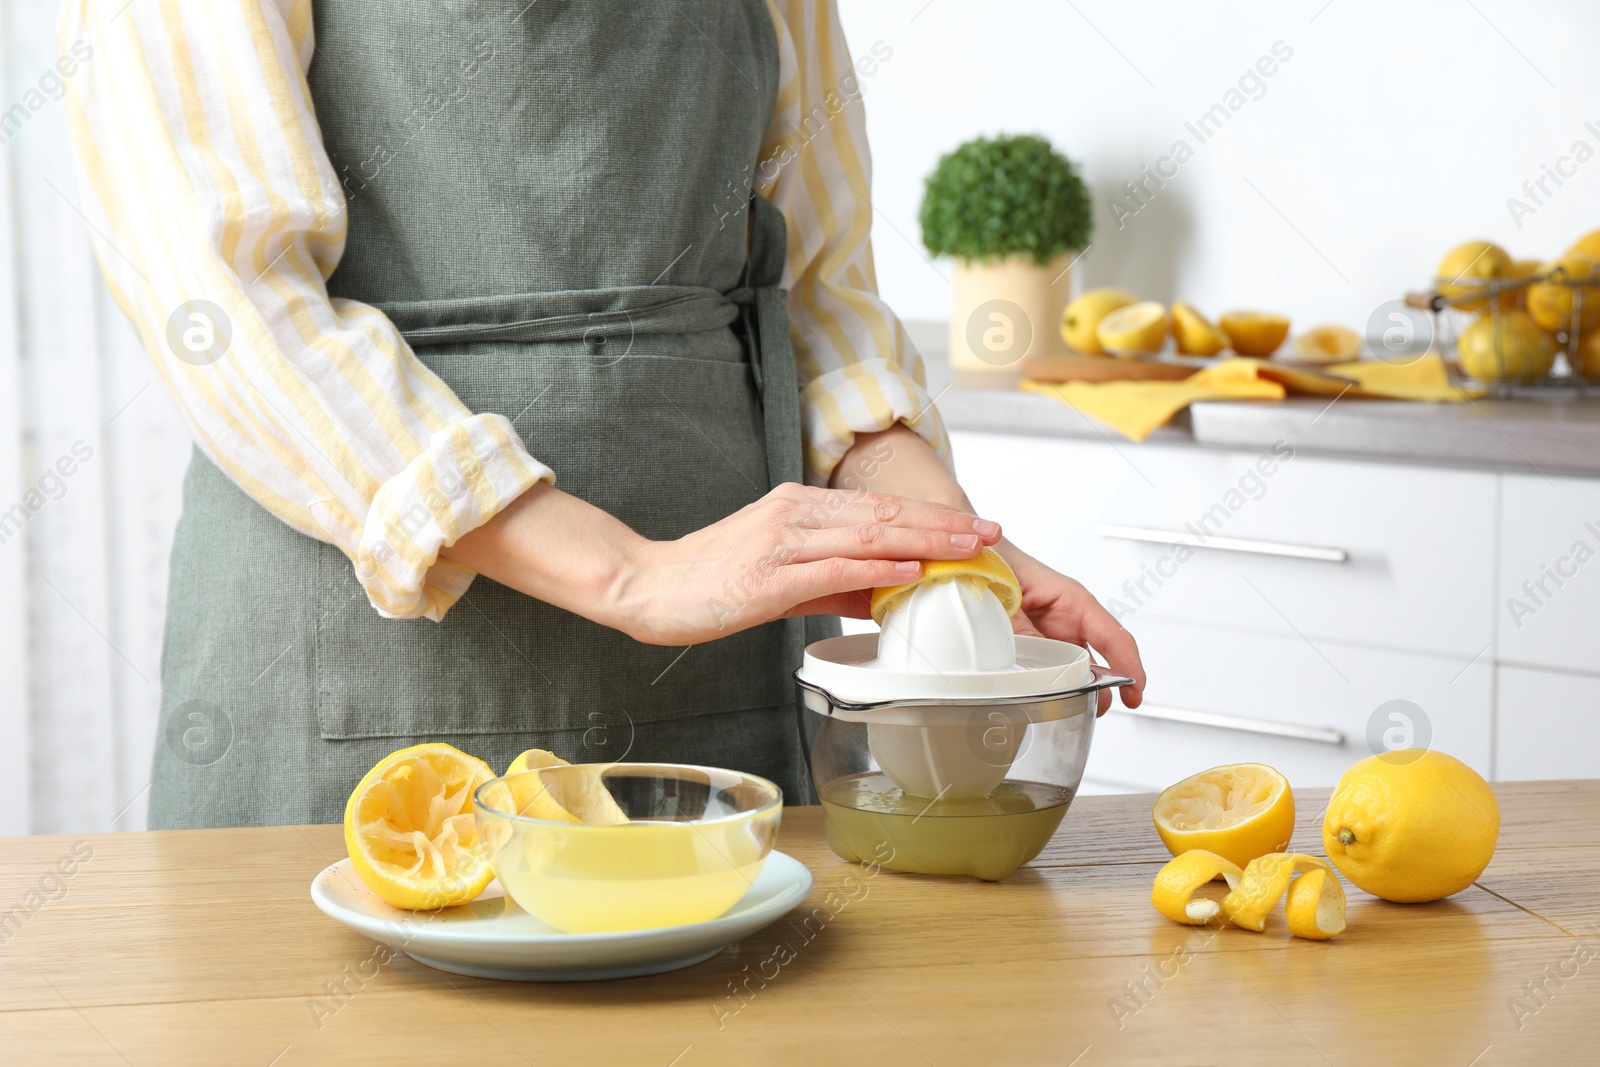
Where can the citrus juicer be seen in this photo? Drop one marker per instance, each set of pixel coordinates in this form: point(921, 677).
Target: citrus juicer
point(947, 743)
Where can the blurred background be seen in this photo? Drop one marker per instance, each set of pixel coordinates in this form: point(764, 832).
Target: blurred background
point(1386, 134)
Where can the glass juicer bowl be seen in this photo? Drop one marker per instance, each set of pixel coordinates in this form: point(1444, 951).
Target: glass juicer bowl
point(947, 744)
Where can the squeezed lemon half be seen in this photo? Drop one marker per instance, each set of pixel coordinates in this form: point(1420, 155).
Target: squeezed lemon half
point(1239, 811)
point(988, 568)
point(578, 797)
point(410, 830)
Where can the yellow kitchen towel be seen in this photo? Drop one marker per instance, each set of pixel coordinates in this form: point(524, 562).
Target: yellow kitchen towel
point(1426, 379)
point(1136, 409)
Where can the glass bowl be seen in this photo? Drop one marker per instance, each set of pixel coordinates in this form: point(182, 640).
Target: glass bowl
point(646, 845)
point(939, 773)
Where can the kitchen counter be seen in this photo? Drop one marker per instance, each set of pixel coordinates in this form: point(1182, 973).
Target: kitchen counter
point(203, 947)
point(1555, 435)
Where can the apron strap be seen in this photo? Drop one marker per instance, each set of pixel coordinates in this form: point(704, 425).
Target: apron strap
point(764, 316)
point(533, 317)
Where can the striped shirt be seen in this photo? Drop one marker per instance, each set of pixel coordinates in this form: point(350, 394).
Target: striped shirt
point(204, 176)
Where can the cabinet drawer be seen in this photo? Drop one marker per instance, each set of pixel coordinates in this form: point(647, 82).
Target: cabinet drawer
point(1549, 588)
point(1547, 725)
point(1304, 710)
point(1417, 544)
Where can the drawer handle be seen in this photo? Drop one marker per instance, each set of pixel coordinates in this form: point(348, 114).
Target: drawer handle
point(1236, 722)
point(1226, 544)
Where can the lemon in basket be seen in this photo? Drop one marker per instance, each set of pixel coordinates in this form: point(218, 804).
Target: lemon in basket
point(1478, 260)
point(1551, 302)
point(1509, 347)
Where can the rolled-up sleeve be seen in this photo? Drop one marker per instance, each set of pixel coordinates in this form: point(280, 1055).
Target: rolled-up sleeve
point(859, 371)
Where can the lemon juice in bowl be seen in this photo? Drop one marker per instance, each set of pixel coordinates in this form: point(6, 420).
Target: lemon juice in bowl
point(868, 817)
point(603, 848)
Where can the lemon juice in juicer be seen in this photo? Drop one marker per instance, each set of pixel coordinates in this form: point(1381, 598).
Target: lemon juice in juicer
point(948, 744)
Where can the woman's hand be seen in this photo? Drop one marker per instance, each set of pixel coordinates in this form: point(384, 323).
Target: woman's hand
point(796, 551)
point(1053, 605)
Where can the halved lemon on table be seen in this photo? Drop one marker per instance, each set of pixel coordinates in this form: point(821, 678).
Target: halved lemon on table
point(988, 569)
point(410, 830)
point(1254, 333)
point(1238, 811)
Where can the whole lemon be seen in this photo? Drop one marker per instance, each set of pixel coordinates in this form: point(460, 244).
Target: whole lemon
point(1474, 259)
point(1509, 348)
point(1588, 244)
point(1513, 299)
point(1082, 317)
point(1551, 303)
point(1411, 825)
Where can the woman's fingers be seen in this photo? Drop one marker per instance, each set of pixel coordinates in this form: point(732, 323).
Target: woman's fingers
point(832, 508)
point(882, 542)
point(1108, 636)
point(803, 582)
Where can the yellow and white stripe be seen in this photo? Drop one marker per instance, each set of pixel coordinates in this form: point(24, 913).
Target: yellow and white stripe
point(859, 371)
point(204, 178)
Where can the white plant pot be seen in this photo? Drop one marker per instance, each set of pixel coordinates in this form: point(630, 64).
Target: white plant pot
point(1003, 310)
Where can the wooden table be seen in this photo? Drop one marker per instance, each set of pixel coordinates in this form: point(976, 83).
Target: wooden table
point(203, 947)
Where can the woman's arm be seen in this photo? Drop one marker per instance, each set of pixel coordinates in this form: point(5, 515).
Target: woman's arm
point(796, 551)
point(217, 220)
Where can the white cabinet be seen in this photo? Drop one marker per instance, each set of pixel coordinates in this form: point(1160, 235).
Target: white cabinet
point(1335, 702)
point(1548, 725)
point(1418, 542)
point(1548, 608)
point(1473, 595)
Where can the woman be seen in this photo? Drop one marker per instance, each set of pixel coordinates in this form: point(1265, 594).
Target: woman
point(400, 281)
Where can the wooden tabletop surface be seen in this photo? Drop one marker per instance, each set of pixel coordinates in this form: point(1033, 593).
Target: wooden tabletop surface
point(203, 947)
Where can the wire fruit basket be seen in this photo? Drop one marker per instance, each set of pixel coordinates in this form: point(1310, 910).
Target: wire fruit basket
point(1506, 351)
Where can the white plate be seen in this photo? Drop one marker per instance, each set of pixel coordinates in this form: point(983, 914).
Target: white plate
point(493, 938)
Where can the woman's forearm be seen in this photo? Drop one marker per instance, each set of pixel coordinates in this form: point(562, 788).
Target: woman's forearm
point(898, 461)
point(795, 551)
point(557, 548)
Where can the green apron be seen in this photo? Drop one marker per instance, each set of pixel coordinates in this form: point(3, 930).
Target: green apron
point(554, 208)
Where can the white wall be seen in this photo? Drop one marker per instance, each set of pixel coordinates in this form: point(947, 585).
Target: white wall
point(1394, 131)
point(93, 451)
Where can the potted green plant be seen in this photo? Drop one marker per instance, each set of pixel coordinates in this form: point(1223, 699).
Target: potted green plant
point(1013, 213)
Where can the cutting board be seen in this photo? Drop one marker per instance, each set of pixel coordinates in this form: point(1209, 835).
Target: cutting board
point(1073, 367)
